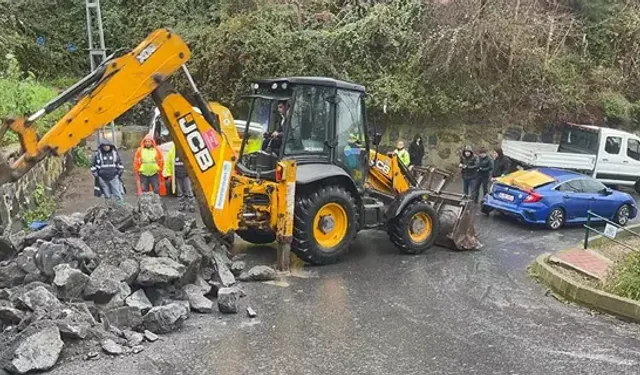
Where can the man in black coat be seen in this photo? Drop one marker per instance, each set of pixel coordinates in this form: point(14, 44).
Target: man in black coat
point(416, 151)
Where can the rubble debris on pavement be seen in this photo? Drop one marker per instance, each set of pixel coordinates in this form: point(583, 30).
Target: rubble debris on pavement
point(110, 279)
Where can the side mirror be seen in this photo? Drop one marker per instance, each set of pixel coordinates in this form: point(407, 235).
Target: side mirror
point(607, 191)
point(377, 138)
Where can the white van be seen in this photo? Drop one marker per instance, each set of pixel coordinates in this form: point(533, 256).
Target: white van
point(608, 155)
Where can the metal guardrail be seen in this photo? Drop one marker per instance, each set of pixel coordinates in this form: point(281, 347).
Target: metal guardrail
point(589, 229)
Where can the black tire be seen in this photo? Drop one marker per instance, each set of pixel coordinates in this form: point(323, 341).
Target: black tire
point(637, 187)
point(399, 228)
point(304, 244)
point(622, 215)
point(556, 219)
point(486, 210)
point(257, 236)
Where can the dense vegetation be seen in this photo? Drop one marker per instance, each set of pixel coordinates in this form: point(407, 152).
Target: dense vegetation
point(466, 59)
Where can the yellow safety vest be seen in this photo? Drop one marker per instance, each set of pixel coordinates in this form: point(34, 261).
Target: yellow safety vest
point(149, 165)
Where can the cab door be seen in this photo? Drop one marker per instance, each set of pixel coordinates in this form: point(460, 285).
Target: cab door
point(610, 158)
point(351, 152)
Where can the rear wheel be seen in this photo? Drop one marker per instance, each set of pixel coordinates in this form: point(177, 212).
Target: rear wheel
point(324, 225)
point(555, 219)
point(257, 236)
point(415, 229)
point(623, 214)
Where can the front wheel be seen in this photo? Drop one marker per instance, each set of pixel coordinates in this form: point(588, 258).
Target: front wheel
point(555, 219)
point(415, 229)
point(623, 214)
point(325, 222)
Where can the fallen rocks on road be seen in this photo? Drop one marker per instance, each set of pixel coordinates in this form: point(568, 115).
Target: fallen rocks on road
point(110, 279)
point(259, 273)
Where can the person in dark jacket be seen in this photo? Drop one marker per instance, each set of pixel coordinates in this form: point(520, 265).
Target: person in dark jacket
point(501, 163)
point(468, 168)
point(416, 151)
point(107, 168)
point(485, 169)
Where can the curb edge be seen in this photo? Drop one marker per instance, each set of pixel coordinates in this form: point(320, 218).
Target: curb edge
point(585, 296)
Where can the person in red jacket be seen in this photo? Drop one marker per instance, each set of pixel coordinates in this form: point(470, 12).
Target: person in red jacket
point(148, 165)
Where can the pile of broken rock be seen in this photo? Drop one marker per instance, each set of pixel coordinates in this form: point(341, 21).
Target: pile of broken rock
point(110, 278)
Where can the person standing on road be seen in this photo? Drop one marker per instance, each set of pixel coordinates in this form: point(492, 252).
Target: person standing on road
point(468, 168)
point(107, 169)
point(175, 170)
point(416, 151)
point(148, 165)
point(501, 163)
point(403, 154)
point(485, 169)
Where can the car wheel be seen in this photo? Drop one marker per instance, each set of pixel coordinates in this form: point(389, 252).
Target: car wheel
point(622, 216)
point(555, 220)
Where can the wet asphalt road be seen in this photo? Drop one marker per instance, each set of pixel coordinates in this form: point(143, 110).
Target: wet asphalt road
point(380, 312)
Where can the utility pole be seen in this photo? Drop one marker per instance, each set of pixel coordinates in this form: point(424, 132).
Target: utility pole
point(97, 49)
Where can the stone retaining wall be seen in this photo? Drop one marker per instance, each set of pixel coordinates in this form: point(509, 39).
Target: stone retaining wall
point(16, 197)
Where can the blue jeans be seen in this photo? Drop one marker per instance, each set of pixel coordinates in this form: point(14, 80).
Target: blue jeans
point(112, 188)
point(467, 183)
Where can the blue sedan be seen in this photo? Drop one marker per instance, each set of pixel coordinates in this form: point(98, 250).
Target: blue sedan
point(556, 197)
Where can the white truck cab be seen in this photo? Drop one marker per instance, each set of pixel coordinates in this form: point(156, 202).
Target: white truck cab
point(608, 155)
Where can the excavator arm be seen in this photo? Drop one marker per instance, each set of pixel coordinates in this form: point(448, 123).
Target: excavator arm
point(117, 85)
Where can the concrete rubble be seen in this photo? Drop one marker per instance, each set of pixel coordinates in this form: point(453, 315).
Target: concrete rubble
point(110, 279)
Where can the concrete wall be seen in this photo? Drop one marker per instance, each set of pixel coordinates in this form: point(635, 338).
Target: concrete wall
point(445, 140)
point(16, 197)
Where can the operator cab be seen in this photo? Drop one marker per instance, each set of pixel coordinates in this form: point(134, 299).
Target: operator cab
point(322, 121)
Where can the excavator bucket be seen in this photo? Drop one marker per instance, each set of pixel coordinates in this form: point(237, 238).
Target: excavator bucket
point(456, 212)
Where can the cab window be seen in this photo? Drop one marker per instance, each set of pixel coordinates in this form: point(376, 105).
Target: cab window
point(613, 145)
point(310, 119)
point(633, 149)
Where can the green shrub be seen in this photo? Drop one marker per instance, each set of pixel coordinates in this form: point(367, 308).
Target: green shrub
point(625, 281)
point(616, 107)
point(44, 204)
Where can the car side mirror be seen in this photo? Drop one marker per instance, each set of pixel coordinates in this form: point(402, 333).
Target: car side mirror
point(607, 191)
point(377, 138)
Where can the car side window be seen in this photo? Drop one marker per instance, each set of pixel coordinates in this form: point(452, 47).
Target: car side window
point(612, 145)
point(574, 186)
point(633, 149)
point(592, 186)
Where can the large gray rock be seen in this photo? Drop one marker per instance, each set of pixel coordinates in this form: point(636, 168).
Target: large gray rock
point(104, 283)
point(133, 338)
point(75, 321)
point(167, 318)
point(122, 216)
point(38, 351)
point(197, 301)
point(190, 257)
point(159, 271)
point(259, 273)
point(225, 276)
point(164, 248)
point(68, 225)
point(44, 234)
point(69, 282)
point(41, 300)
point(139, 300)
point(124, 291)
point(145, 243)
point(77, 249)
point(110, 347)
point(237, 267)
point(151, 208)
point(201, 247)
point(124, 317)
point(50, 255)
point(175, 220)
point(11, 275)
point(108, 242)
point(9, 315)
point(228, 300)
point(130, 269)
point(17, 239)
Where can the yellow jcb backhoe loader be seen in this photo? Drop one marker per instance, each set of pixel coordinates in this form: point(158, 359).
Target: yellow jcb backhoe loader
point(312, 194)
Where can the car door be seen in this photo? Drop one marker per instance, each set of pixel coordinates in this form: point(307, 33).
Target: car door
point(631, 162)
point(574, 200)
point(610, 159)
point(599, 202)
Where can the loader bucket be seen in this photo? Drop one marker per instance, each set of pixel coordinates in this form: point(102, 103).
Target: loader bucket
point(456, 213)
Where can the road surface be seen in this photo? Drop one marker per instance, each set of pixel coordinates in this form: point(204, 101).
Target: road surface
point(380, 312)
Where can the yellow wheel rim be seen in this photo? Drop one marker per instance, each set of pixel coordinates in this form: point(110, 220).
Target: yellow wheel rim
point(330, 225)
point(420, 227)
